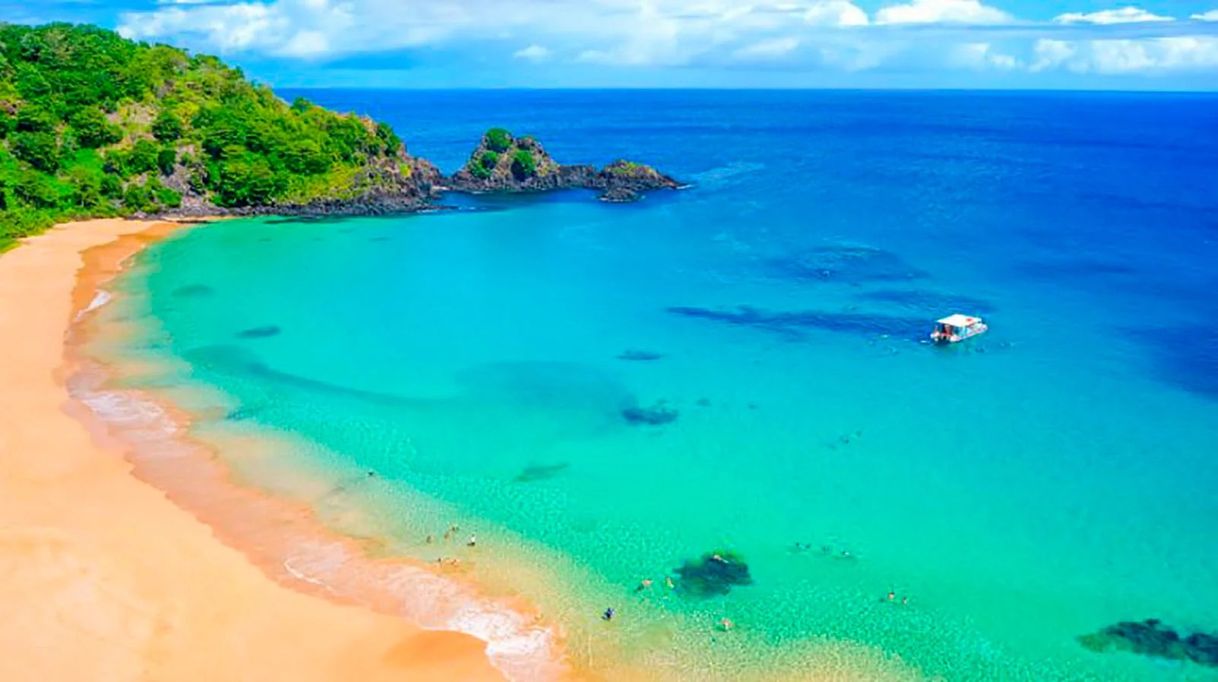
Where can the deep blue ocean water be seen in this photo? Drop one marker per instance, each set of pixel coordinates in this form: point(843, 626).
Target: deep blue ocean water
point(1050, 478)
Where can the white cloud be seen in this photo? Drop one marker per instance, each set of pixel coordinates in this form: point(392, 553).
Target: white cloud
point(1211, 15)
point(1142, 56)
point(835, 13)
point(533, 53)
point(806, 35)
point(942, 12)
point(983, 56)
point(772, 48)
point(1123, 15)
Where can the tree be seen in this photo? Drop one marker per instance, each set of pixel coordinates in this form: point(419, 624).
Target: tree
point(143, 157)
point(92, 129)
point(35, 119)
point(40, 150)
point(498, 140)
point(167, 127)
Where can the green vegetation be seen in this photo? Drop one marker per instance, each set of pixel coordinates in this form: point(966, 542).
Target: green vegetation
point(92, 124)
point(485, 165)
point(498, 140)
point(523, 164)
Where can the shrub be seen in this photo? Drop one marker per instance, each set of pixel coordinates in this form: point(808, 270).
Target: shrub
point(143, 157)
point(498, 140)
point(167, 127)
point(523, 164)
point(34, 119)
point(137, 198)
point(166, 159)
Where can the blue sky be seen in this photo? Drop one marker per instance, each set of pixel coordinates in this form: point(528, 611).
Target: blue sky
point(1086, 44)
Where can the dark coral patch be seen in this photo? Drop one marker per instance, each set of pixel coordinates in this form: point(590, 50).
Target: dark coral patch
point(847, 265)
point(651, 416)
point(1152, 638)
point(713, 575)
point(193, 291)
point(540, 472)
point(259, 332)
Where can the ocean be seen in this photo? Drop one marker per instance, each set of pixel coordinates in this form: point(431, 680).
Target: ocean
point(607, 394)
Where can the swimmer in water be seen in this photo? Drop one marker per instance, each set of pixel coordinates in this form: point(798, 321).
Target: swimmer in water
point(473, 541)
point(669, 583)
point(608, 614)
point(643, 584)
point(726, 624)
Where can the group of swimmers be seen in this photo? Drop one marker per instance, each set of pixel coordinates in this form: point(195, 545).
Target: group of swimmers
point(449, 534)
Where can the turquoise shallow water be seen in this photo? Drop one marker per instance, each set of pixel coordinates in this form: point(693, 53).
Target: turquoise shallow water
point(1041, 482)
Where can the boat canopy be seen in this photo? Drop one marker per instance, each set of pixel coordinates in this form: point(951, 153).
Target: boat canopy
point(959, 321)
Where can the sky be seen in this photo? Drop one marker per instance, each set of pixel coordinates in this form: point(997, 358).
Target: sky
point(1072, 44)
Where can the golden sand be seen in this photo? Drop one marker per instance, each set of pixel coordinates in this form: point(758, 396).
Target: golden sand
point(104, 578)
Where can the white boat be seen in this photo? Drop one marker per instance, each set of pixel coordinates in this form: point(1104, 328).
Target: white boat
point(957, 328)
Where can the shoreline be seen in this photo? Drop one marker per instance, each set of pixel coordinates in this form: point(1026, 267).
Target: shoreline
point(108, 578)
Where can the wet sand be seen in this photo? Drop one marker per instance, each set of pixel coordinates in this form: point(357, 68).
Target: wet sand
point(102, 577)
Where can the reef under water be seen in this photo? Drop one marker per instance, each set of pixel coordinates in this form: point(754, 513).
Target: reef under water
point(259, 332)
point(657, 414)
point(639, 355)
point(1152, 638)
point(193, 291)
point(540, 472)
point(714, 574)
point(846, 264)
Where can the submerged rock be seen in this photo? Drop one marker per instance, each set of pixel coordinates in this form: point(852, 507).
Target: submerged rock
point(507, 164)
point(540, 472)
point(713, 575)
point(259, 332)
point(653, 416)
point(1152, 638)
point(639, 355)
point(193, 291)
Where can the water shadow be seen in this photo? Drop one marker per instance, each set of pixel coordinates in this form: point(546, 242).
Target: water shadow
point(793, 323)
point(1185, 356)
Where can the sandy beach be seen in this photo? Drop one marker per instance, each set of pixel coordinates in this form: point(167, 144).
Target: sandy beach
point(104, 578)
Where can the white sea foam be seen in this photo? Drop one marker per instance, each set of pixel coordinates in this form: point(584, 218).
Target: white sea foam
point(101, 298)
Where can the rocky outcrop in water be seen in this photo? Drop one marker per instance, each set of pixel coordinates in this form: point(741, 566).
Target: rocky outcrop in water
point(506, 164)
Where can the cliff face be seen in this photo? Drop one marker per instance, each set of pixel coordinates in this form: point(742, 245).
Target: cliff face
point(503, 163)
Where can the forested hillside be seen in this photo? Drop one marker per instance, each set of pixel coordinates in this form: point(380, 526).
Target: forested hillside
point(92, 124)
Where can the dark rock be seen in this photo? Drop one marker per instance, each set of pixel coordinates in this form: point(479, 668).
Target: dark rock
point(1152, 638)
point(713, 575)
point(655, 415)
